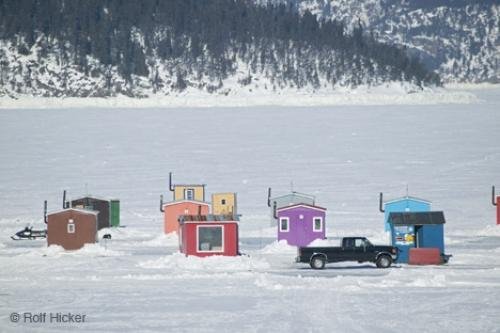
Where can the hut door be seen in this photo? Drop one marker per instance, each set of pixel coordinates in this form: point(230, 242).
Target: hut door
point(303, 233)
point(418, 236)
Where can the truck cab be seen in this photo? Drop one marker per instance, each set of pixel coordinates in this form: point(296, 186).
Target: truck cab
point(357, 248)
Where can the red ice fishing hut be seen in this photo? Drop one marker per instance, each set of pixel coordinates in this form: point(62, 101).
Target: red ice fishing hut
point(208, 235)
point(496, 202)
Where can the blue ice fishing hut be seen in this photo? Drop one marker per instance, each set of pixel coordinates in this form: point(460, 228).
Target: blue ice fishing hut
point(400, 205)
point(416, 230)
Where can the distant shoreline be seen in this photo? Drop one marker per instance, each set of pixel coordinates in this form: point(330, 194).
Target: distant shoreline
point(388, 95)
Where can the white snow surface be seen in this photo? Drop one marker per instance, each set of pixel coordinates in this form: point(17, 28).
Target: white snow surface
point(180, 262)
point(344, 155)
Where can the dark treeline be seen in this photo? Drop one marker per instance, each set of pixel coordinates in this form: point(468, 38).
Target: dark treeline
point(203, 39)
point(448, 3)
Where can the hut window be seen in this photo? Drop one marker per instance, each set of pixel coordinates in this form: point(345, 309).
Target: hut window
point(210, 239)
point(223, 202)
point(189, 194)
point(284, 224)
point(318, 224)
point(71, 226)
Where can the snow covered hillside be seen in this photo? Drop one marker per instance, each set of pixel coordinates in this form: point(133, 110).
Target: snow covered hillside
point(151, 48)
point(343, 154)
point(460, 39)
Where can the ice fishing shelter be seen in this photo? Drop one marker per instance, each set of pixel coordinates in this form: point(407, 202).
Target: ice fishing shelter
point(301, 224)
point(187, 200)
point(224, 204)
point(399, 205)
point(72, 228)
point(289, 199)
point(496, 202)
point(208, 235)
point(411, 230)
point(109, 209)
point(172, 211)
point(194, 192)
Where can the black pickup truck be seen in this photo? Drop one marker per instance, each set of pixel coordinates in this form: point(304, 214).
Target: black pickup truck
point(353, 249)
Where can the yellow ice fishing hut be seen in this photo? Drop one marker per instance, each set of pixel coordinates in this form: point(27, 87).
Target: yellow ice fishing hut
point(224, 204)
point(187, 192)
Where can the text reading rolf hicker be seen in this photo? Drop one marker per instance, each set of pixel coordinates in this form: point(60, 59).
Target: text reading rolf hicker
point(48, 317)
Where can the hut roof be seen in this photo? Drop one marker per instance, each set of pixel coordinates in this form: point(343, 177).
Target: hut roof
point(298, 194)
point(188, 185)
point(176, 202)
point(94, 197)
point(416, 218)
point(83, 211)
point(208, 218)
point(301, 205)
point(407, 198)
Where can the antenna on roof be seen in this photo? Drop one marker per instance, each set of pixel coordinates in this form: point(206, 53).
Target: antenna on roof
point(493, 196)
point(161, 203)
point(274, 210)
point(268, 197)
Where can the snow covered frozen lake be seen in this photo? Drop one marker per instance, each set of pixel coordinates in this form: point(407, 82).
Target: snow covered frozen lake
point(345, 155)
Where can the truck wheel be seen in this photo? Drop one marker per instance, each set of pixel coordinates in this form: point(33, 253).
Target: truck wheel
point(318, 262)
point(384, 261)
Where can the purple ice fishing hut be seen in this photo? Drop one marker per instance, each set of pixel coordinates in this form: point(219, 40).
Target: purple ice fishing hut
point(301, 224)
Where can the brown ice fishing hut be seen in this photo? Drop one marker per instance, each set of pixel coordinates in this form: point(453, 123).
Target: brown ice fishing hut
point(100, 205)
point(72, 228)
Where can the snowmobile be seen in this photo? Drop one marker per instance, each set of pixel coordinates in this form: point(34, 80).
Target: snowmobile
point(29, 233)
